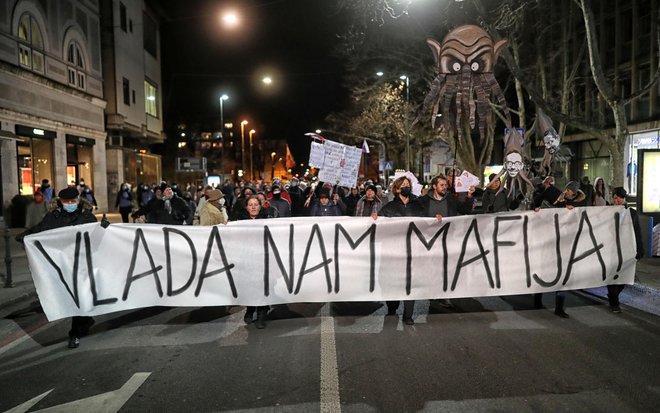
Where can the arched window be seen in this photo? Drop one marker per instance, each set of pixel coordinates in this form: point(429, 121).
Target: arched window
point(31, 44)
point(76, 69)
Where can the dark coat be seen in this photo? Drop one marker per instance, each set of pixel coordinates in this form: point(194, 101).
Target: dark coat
point(455, 205)
point(157, 214)
point(396, 208)
point(547, 197)
point(638, 233)
point(493, 201)
point(329, 210)
point(59, 218)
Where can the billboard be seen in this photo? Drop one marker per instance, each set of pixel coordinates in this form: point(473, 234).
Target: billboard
point(648, 181)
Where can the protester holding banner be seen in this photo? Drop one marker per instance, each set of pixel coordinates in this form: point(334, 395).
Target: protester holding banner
point(169, 209)
point(238, 208)
point(613, 290)
point(547, 196)
point(369, 204)
point(404, 204)
point(254, 210)
point(437, 204)
point(572, 196)
point(70, 211)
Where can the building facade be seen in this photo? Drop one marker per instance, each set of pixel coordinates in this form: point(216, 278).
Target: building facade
point(51, 97)
point(133, 90)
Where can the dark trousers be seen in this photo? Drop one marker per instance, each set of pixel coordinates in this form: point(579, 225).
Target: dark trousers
point(261, 310)
point(80, 326)
point(125, 212)
point(613, 292)
point(408, 308)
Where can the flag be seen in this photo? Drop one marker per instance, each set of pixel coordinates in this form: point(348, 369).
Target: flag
point(365, 147)
point(290, 161)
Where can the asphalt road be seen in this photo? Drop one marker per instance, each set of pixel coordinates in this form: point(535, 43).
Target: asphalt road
point(490, 354)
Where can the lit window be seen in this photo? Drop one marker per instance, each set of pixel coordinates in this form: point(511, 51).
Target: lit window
point(31, 44)
point(150, 99)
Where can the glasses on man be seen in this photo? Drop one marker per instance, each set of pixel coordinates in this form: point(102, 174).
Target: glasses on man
point(517, 164)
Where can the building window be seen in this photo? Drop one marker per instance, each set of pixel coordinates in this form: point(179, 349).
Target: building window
point(150, 99)
point(133, 94)
point(31, 44)
point(150, 35)
point(126, 87)
point(122, 16)
point(76, 68)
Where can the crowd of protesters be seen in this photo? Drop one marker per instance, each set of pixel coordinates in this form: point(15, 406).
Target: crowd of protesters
point(170, 204)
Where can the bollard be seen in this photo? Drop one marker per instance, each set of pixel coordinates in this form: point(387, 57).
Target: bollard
point(9, 283)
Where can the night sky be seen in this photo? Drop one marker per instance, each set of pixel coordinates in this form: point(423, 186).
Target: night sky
point(290, 40)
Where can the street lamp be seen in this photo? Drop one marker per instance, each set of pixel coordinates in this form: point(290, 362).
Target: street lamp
point(272, 166)
point(252, 132)
point(243, 123)
point(222, 115)
point(407, 80)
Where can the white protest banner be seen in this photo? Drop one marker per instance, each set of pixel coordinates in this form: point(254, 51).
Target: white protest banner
point(88, 270)
point(341, 164)
point(316, 155)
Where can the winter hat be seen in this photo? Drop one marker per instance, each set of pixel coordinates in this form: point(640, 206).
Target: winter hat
point(214, 195)
point(325, 192)
point(620, 192)
point(573, 186)
point(275, 189)
point(164, 186)
point(69, 192)
point(372, 187)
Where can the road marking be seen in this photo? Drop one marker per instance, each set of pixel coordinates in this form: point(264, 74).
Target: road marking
point(329, 370)
point(109, 402)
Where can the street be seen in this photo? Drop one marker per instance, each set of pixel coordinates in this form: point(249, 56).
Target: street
point(487, 354)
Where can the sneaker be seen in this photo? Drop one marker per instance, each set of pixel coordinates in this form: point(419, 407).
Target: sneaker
point(561, 313)
point(74, 342)
point(444, 302)
point(408, 321)
point(616, 309)
point(260, 323)
point(248, 318)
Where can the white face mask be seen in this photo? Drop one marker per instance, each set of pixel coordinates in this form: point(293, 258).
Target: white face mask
point(222, 201)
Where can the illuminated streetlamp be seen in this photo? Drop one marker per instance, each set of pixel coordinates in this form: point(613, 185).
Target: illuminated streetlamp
point(272, 166)
point(230, 19)
point(252, 132)
point(243, 123)
point(267, 80)
point(222, 115)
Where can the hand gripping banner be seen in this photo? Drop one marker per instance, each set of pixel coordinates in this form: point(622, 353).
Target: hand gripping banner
point(88, 270)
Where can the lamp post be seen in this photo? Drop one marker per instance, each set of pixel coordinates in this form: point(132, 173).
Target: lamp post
point(243, 123)
point(252, 132)
point(272, 166)
point(222, 130)
point(407, 80)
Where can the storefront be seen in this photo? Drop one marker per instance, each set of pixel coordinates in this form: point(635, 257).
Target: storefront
point(79, 160)
point(643, 140)
point(34, 150)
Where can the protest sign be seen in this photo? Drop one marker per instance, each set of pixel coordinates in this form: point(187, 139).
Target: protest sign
point(88, 270)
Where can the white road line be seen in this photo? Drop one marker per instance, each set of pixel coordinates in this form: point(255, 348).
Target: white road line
point(329, 370)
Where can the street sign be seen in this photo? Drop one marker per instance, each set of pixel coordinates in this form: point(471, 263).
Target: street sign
point(388, 166)
point(190, 164)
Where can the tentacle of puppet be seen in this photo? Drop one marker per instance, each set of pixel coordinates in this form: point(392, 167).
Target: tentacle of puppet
point(495, 88)
point(431, 98)
point(483, 108)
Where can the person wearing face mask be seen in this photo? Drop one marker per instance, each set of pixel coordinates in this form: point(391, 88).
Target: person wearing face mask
point(493, 199)
point(297, 197)
point(124, 201)
point(70, 211)
point(36, 210)
point(87, 194)
point(404, 204)
point(169, 209)
point(280, 204)
point(213, 212)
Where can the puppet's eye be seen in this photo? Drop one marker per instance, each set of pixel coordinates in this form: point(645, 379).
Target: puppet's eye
point(456, 67)
point(474, 66)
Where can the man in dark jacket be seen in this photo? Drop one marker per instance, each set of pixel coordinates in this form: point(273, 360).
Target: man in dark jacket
point(70, 211)
point(280, 204)
point(613, 290)
point(438, 202)
point(169, 209)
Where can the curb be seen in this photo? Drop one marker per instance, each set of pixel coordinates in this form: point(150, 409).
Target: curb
point(639, 296)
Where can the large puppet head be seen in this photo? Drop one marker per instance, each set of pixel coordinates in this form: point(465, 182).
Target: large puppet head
point(465, 81)
point(551, 141)
point(514, 166)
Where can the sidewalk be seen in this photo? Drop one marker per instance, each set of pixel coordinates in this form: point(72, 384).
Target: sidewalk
point(643, 295)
